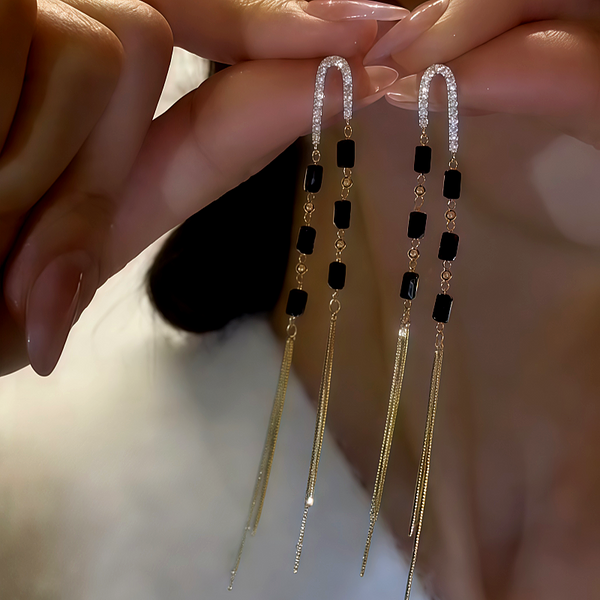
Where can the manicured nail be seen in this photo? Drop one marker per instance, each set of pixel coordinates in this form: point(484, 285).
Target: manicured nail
point(405, 92)
point(360, 10)
point(52, 306)
point(407, 31)
point(381, 77)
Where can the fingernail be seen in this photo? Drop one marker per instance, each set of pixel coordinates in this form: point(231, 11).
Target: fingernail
point(407, 31)
point(360, 10)
point(52, 306)
point(381, 77)
point(405, 92)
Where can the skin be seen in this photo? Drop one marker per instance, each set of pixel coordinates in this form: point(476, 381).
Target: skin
point(514, 491)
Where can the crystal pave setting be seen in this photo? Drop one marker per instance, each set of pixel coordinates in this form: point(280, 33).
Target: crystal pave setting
point(337, 269)
point(448, 75)
point(339, 63)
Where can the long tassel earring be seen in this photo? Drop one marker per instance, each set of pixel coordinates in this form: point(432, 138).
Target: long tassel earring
point(337, 269)
point(417, 222)
point(298, 297)
point(443, 304)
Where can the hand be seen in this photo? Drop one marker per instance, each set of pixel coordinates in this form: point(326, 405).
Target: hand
point(80, 81)
point(98, 214)
point(518, 57)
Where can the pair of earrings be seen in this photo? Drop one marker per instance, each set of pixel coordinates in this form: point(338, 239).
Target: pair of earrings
point(298, 297)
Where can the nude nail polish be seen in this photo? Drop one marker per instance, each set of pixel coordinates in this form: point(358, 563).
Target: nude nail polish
point(407, 31)
point(359, 10)
point(52, 308)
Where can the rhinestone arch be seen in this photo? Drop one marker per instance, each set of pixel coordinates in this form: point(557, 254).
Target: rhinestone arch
point(452, 90)
point(342, 65)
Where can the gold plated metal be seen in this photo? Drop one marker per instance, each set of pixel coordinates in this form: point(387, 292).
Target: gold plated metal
point(325, 386)
point(413, 254)
point(390, 423)
point(324, 391)
point(266, 461)
point(416, 524)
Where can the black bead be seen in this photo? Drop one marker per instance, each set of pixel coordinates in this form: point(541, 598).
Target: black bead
point(452, 184)
point(346, 153)
point(341, 214)
point(313, 178)
point(442, 308)
point(422, 159)
point(306, 239)
point(410, 284)
point(448, 246)
point(337, 275)
point(296, 302)
point(416, 225)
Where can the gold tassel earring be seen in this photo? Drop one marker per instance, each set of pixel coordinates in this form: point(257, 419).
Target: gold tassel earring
point(337, 269)
point(298, 297)
point(443, 304)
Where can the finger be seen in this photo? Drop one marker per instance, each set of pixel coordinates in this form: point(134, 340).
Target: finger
point(213, 139)
point(17, 23)
point(468, 24)
point(220, 135)
point(548, 69)
point(357, 10)
point(230, 31)
point(77, 213)
point(403, 34)
point(72, 70)
point(209, 142)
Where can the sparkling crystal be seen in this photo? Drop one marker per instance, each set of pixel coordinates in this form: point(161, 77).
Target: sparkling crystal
point(429, 74)
point(343, 66)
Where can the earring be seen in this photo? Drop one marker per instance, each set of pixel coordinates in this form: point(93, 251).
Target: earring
point(416, 231)
point(298, 297)
point(443, 304)
point(337, 269)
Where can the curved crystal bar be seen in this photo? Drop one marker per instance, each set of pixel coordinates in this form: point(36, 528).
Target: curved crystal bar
point(343, 66)
point(452, 102)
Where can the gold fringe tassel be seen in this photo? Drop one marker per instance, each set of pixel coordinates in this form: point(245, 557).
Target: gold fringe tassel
point(388, 435)
point(425, 464)
point(266, 461)
point(319, 432)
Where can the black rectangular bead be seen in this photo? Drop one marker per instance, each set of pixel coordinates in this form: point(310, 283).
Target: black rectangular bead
point(346, 154)
point(422, 159)
point(296, 302)
point(448, 246)
point(410, 284)
point(416, 225)
point(341, 214)
point(306, 239)
point(442, 308)
point(313, 178)
point(452, 179)
point(337, 275)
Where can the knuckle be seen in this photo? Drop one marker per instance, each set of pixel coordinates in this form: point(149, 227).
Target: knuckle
point(143, 30)
point(95, 56)
point(150, 30)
